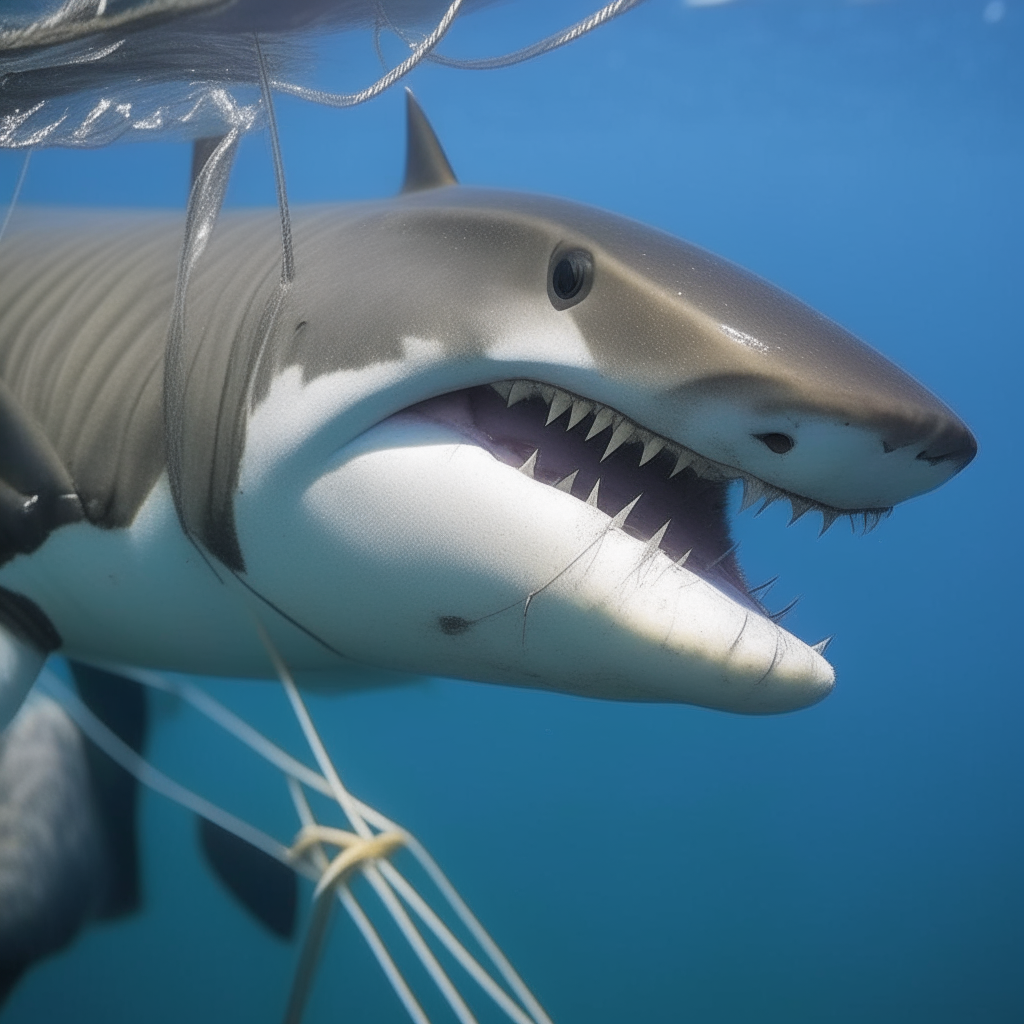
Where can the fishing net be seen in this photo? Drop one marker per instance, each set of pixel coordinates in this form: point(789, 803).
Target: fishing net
point(86, 73)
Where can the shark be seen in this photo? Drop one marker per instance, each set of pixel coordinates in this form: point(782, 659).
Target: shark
point(477, 434)
point(482, 435)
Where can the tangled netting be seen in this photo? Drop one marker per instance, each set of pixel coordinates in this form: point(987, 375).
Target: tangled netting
point(86, 73)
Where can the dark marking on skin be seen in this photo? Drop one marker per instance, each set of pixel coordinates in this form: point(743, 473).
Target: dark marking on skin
point(961, 454)
point(453, 625)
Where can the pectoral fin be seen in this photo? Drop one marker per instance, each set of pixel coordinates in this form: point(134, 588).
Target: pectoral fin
point(120, 704)
point(266, 888)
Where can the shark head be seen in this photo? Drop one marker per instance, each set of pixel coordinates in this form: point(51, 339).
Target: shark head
point(498, 434)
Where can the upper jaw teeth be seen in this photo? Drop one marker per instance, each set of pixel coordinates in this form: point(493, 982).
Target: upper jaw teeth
point(625, 431)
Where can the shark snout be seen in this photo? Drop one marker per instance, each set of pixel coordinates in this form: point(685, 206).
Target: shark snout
point(848, 452)
point(954, 447)
point(849, 462)
point(923, 444)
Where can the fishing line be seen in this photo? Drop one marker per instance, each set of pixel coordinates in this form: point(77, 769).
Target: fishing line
point(140, 769)
point(552, 42)
point(295, 773)
point(329, 99)
point(362, 922)
point(16, 193)
point(287, 255)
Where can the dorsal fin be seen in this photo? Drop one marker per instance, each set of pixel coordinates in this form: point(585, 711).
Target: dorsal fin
point(426, 166)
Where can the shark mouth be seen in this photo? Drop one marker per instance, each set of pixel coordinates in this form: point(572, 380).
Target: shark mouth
point(653, 488)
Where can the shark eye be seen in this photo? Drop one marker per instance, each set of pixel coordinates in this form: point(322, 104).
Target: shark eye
point(778, 443)
point(569, 277)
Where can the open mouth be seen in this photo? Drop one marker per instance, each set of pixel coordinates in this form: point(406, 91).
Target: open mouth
point(654, 489)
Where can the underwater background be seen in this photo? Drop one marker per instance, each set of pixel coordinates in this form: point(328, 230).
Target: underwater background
point(857, 861)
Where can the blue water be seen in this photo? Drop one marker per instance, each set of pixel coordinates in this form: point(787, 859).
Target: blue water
point(858, 861)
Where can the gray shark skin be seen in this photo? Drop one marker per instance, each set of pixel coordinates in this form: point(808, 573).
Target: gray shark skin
point(483, 435)
point(68, 848)
point(52, 864)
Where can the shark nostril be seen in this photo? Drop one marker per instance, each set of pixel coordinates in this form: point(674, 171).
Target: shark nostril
point(778, 443)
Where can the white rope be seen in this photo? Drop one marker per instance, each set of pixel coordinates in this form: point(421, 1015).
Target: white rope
point(422, 909)
point(235, 726)
point(119, 751)
point(349, 805)
point(468, 918)
point(419, 947)
point(388, 881)
point(344, 799)
point(362, 922)
point(357, 850)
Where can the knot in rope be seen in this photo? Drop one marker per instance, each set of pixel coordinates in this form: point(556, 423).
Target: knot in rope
point(356, 851)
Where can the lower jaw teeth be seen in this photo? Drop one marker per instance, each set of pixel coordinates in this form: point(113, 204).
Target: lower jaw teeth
point(754, 490)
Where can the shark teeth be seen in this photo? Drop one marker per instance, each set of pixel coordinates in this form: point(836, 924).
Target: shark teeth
point(683, 459)
point(763, 588)
point(619, 519)
point(620, 435)
point(530, 464)
point(565, 484)
point(559, 403)
point(650, 445)
point(801, 506)
point(602, 421)
point(519, 391)
point(753, 492)
point(654, 543)
point(651, 448)
point(580, 410)
point(828, 517)
point(783, 612)
point(626, 440)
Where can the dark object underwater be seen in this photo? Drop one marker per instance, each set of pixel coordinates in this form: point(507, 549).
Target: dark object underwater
point(69, 851)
